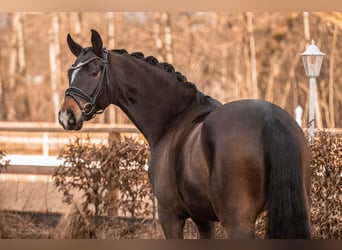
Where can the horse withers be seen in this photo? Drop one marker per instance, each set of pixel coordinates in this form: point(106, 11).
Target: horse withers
point(209, 162)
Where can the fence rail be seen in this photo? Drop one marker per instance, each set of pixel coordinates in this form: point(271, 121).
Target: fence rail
point(56, 128)
point(46, 135)
point(32, 164)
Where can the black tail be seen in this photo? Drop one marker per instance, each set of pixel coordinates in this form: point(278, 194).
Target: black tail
point(286, 209)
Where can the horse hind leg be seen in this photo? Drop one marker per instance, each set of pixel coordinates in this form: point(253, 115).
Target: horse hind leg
point(239, 229)
point(206, 229)
point(237, 201)
point(237, 216)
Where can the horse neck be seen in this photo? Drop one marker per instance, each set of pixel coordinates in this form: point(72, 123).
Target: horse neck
point(149, 96)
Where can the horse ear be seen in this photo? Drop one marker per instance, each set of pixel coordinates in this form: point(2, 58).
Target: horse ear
point(96, 41)
point(73, 46)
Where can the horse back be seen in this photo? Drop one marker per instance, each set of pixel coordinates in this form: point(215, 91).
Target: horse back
point(235, 130)
point(240, 123)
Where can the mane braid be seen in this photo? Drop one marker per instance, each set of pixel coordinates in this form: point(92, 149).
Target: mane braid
point(163, 65)
point(120, 51)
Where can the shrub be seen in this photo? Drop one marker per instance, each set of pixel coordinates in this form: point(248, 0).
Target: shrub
point(3, 163)
point(326, 195)
point(99, 170)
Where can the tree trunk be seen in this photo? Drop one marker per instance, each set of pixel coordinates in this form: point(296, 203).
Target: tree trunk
point(2, 104)
point(306, 27)
point(157, 36)
point(111, 110)
point(254, 78)
point(21, 49)
point(168, 36)
point(76, 18)
point(331, 78)
point(12, 69)
point(55, 63)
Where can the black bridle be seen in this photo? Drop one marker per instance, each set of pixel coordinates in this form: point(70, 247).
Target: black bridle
point(89, 109)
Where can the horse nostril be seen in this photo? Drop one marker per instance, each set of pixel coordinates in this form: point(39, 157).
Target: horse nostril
point(71, 117)
point(67, 118)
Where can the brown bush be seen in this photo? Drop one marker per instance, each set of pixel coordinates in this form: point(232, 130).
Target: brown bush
point(100, 170)
point(326, 164)
point(3, 163)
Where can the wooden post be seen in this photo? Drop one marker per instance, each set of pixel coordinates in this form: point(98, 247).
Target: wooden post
point(114, 207)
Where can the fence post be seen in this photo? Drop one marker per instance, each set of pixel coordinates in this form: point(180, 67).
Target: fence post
point(114, 207)
point(45, 144)
point(299, 113)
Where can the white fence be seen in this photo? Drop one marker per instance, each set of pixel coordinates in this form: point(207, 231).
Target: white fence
point(32, 149)
point(48, 137)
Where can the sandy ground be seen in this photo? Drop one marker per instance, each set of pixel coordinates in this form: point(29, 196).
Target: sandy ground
point(31, 193)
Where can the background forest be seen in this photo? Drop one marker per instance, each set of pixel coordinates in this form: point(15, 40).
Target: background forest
point(227, 55)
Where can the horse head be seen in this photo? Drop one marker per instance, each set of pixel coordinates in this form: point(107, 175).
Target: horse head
point(87, 94)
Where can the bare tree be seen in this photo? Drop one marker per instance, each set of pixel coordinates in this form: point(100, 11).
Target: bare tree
point(332, 76)
point(306, 22)
point(1, 89)
point(157, 35)
point(12, 68)
point(76, 19)
point(55, 63)
point(111, 111)
point(254, 78)
point(166, 18)
point(21, 48)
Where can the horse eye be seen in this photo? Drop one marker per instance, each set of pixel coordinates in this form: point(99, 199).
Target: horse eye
point(94, 73)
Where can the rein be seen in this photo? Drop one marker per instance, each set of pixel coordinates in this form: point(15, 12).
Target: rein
point(89, 109)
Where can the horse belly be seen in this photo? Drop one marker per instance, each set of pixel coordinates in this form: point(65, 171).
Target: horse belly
point(193, 176)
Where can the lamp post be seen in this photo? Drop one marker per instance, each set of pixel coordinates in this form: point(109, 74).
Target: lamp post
point(312, 60)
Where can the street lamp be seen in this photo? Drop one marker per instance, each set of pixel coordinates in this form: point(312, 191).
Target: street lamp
point(312, 60)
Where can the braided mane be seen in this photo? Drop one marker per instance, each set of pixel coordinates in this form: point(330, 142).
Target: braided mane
point(163, 65)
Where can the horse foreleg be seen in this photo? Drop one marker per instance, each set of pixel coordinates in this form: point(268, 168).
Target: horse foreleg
point(171, 224)
point(206, 229)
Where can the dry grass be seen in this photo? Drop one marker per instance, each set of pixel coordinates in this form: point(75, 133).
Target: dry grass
point(73, 225)
point(22, 226)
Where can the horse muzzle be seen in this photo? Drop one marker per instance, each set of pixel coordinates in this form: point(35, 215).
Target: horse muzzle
point(70, 117)
point(68, 121)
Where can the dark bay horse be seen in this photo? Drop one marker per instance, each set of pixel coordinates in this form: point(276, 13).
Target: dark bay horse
point(209, 162)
